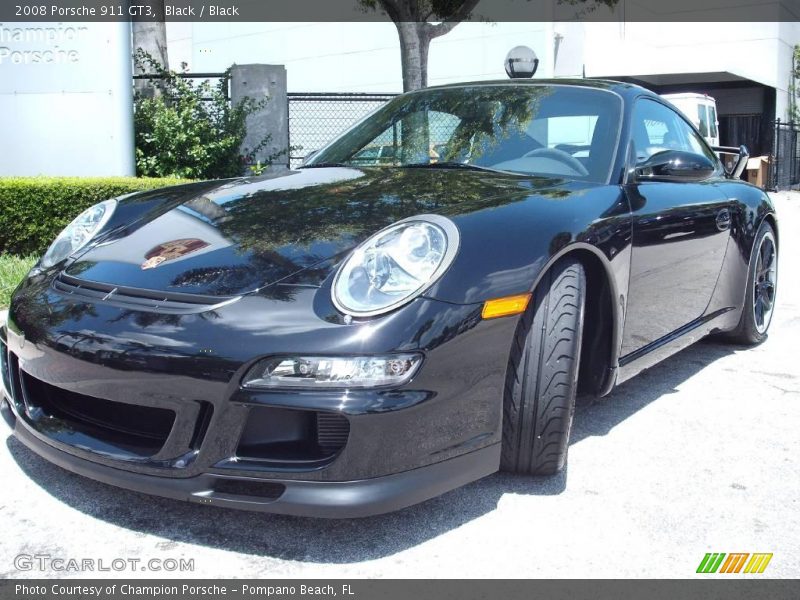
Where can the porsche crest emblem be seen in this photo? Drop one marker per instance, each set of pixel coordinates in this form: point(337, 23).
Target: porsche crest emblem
point(171, 250)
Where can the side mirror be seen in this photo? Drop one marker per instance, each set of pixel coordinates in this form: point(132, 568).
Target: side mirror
point(675, 165)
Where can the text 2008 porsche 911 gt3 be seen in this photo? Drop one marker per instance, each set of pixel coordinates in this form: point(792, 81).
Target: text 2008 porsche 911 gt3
point(415, 308)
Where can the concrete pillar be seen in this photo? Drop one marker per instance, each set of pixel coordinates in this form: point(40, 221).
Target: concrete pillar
point(152, 38)
point(257, 82)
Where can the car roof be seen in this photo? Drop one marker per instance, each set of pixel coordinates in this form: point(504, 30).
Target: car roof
point(620, 87)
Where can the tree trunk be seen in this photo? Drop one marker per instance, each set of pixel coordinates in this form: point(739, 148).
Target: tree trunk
point(415, 42)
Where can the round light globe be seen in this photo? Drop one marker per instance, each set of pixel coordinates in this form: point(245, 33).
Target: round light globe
point(521, 62)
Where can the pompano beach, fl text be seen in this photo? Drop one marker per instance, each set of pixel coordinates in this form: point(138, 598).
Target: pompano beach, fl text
point(167, 590)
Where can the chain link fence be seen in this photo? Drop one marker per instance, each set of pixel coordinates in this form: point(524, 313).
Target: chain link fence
point(317, 118)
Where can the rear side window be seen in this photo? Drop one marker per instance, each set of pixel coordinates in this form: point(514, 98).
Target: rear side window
point(657, 127)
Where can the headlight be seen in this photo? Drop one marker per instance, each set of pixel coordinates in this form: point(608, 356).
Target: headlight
point(79, 233)
point(332, 371)
point(395, 265)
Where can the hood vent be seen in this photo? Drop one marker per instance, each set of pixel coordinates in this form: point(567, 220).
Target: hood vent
point(137, 299)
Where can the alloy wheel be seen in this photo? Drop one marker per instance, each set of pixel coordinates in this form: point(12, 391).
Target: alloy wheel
point(765, 279)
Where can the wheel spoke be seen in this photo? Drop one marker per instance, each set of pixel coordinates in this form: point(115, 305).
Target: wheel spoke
point(769, 296)
point(765, 251)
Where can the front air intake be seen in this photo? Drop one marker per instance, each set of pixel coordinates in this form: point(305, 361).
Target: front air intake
point(332, 432)
point(292, 438)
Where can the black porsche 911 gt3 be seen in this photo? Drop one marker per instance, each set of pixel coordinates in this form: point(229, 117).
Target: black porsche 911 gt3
point(413, 309)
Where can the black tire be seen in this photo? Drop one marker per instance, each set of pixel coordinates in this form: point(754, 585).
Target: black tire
point(542, 374)
point(751, 329)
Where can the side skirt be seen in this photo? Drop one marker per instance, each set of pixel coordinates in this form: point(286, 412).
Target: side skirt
point(637, 361)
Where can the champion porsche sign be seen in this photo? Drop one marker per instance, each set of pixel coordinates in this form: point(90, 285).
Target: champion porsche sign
point(66, 104)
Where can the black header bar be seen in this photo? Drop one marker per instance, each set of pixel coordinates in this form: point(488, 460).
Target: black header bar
point(354, 10)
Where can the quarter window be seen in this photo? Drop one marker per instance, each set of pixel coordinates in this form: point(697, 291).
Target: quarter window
point(657, 127)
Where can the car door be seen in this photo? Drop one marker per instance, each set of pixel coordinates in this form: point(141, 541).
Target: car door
point(680, 232)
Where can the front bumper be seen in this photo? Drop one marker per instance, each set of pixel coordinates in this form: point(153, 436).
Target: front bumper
point(325, 499)
point(439, 431)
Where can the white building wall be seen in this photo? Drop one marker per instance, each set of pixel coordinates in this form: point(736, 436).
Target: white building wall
point(365, 57)
point(760, 52)
point(354, 57)
point(635, 49)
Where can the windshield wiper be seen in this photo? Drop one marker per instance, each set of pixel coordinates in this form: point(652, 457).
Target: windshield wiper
point(449, 165)
point(436, 165)
point(324, 164)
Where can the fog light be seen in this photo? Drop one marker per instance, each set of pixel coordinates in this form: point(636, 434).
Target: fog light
point(332, 371)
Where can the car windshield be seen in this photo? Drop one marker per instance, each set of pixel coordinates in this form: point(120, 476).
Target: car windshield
point(547, 130)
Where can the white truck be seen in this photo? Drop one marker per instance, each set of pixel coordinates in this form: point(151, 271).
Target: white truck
point(701, 110)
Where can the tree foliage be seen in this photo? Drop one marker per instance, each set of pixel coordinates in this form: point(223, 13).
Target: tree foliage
point(793, 113)
point(191, 130)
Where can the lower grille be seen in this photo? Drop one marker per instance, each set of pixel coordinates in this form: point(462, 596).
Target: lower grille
point(73, 417)
point(332, 432)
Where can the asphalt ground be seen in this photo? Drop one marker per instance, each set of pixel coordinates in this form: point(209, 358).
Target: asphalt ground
point(700, 454)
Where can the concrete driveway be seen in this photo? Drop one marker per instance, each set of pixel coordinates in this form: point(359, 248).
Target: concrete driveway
point(701, 454)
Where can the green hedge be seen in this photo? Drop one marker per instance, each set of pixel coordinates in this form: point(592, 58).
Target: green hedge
point(33, 210)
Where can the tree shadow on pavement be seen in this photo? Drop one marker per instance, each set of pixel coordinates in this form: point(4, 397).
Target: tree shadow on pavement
point(346, 541)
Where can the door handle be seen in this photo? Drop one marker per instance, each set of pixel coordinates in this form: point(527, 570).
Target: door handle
point(723, 219)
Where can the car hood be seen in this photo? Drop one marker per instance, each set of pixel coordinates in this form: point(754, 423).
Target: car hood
point(234, 237)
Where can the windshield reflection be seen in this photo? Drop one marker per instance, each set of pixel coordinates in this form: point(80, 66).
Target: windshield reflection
point(548, 130)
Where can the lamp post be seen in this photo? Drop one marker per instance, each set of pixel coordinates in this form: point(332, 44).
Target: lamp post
point(521, 63)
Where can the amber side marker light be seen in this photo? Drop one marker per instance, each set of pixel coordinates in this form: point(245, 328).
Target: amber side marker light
point(503, 307)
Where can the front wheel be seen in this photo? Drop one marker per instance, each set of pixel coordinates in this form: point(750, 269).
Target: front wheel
point(762, 282)
point(543, 374)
